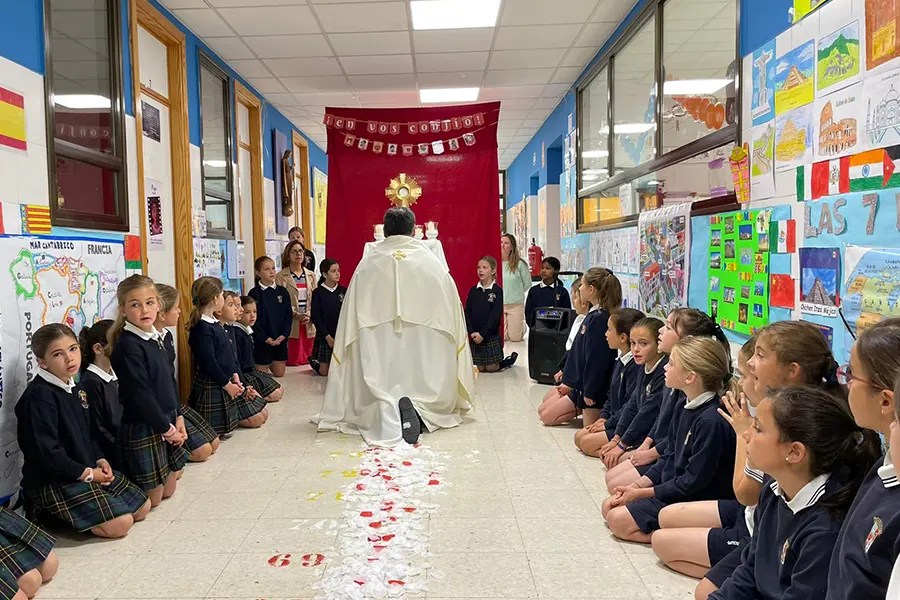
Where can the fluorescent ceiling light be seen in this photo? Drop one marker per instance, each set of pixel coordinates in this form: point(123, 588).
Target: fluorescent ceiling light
point(215, 164)
point(454, 14)
point(435, 95)
point(81, 101)
point(694, 87)
point(595, 154)
point(629, 128)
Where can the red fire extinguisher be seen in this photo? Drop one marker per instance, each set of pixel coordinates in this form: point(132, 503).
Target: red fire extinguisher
point(535, 258)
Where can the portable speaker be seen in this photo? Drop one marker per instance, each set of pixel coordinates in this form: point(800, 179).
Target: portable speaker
point(547, 342)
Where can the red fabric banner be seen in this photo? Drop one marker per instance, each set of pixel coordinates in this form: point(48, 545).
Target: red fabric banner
point(460, 189)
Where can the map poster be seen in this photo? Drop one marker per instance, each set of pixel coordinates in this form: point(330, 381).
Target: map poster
point(872, 288)
point(839, 121)
point(739, 271)
point(882, 24)
point(665, 241)
point(794, 76)
point(46, 280)
point(762, 161)
point(820, 270)
point(762, 101)
point(320, 206)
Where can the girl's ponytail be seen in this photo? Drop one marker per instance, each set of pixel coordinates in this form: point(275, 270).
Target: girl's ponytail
point(324, 267)
point(859, 451)
point(203, 291)
point(98, 333)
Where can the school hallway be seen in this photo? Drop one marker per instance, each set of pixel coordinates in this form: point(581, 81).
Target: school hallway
point(499, 508)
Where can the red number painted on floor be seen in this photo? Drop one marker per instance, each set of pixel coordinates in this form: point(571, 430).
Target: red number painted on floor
point(280, 560)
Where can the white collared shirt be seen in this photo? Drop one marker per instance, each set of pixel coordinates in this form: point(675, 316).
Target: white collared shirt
point(247, 329)
point(888, 472)
point(51, 378)
point(330, 289)
point(625, 358)
point(653, 368)
point(209, 319)
point(263, 286)
point(106, 377)
point(147, 336)
point(699, 400)
point(808, 495)
point(481, 287)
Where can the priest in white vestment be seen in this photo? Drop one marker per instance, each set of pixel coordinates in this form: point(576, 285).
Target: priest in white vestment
point(402, 333)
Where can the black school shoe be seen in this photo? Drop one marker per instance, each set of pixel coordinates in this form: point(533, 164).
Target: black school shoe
point(409, 421)
point(509, 361)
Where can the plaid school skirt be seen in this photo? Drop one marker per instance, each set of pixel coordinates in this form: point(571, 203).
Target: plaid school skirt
point(247, 408)
point(488, 352)
point(23, 546)
point(88, 505)
point(214, 404)
point(322, 351)
point(199, 431)
point(149, 459)
point(262, 382)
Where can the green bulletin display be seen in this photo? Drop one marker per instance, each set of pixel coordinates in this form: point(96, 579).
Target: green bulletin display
point(739, 270)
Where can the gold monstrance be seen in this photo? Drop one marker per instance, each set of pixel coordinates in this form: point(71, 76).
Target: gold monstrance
point(404, 191)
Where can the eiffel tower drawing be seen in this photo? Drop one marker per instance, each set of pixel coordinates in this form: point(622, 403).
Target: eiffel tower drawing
point(818, 295)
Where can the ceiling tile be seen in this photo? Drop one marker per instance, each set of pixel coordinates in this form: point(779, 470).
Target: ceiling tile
point(578, 57)
point(595, 35)
point(451, 61)
point(527, 59)
point(249, 68)
point(375, 64)
point(348, 44)
point(282, 20)
point(304, 67)
point(382, 82)
point(612, 11)
point(536, 36)
point(289, 46)
point(282, 100)
point(254, 3)
point(346, 18)
point(451, 40)
point(331, 83)
point(566, 75)
point(266, 85)
point(518, 103)
point(295, 112)
point(555, 90)
point(394, 97)
point(175, 4)
point(511, 113)
point(533, 123)
point(457, 79)
point(518, 77)
point(512, 92)
point(542, 12)
point(204, 22)
point(228, 48)
point(321, 100)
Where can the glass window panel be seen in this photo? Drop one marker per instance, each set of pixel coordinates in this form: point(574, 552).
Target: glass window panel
point(699, 64)
point(82, 92)
point(595, 131)
point(215, 132)
point(85, 188)
point(216, 213)
point(634, 100)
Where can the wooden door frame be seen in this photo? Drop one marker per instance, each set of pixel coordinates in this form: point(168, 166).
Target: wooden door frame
point(254, 105)
point(142, 13)
point(303, 207)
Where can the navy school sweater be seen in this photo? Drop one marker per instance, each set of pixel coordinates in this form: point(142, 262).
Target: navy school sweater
point(702, 465)
point(641, 410)
point(543, 296)
point(106, 411)
point(790, 549)
point(624, 380)
point(591, 370)
point(325, 310)
point(54, 433)
point(869, 541)
point(147, 387)
point(244, 344)
point(274, 313)
point(668, 410)
point(213, 352)
point(484, 309)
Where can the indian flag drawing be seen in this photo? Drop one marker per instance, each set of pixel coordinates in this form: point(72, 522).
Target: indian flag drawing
point(862, 172)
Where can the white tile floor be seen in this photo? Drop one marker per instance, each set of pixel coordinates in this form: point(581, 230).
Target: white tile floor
point(520, 520)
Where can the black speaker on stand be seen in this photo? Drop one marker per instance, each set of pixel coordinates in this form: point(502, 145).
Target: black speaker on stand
point(547, 342)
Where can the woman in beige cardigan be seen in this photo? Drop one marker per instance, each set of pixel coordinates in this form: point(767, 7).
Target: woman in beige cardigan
point(300, 283)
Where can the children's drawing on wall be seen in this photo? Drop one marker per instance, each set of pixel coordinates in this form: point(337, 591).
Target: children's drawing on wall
point(837, 57)
point(320, 207)
point(665, 246)
point(804, 7)
point(882, 25)
point(883, 109)
point(838, 117)
point(794, 78)
point(819, 273)
point(762, 161)
point(872, 289)
point(762, 102)
point(793, 138)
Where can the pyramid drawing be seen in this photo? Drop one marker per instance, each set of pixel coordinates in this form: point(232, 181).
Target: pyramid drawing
point(794, 79)
point(818, 295)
